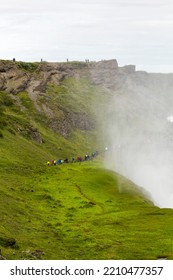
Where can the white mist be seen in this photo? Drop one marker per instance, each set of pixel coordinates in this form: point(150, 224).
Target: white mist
point(139, 132)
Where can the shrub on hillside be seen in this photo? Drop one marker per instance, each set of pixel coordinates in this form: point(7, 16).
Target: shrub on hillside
point(28, 66)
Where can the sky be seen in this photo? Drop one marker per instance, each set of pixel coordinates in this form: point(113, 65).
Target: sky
point(137, 32)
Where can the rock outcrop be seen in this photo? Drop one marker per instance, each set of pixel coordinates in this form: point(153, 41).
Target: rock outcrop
point(35, 78)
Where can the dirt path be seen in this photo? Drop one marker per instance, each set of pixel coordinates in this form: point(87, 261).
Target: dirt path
point(92, 202)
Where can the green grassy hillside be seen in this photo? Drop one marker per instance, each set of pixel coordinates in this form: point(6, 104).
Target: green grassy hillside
point(75, 210)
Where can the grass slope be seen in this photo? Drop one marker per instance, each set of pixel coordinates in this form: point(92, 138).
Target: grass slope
point(74, 211)
point(70, 211)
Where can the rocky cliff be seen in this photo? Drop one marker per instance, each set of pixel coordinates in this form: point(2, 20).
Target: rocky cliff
point(34, 77)
point(63, 93)
point(43, 83)
point(58, 91)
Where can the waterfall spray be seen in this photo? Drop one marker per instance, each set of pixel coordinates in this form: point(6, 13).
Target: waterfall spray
point(139, 129)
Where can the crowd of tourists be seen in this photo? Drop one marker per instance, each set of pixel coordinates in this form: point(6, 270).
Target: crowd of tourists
point(73, 159)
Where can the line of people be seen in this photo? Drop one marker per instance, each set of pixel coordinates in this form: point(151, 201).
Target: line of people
point(73, 159)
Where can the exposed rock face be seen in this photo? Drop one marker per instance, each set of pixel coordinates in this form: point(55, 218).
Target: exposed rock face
point(71, 120)
point(32, 133)
point(104, 72)
point(13, 79)
point(16, 77)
